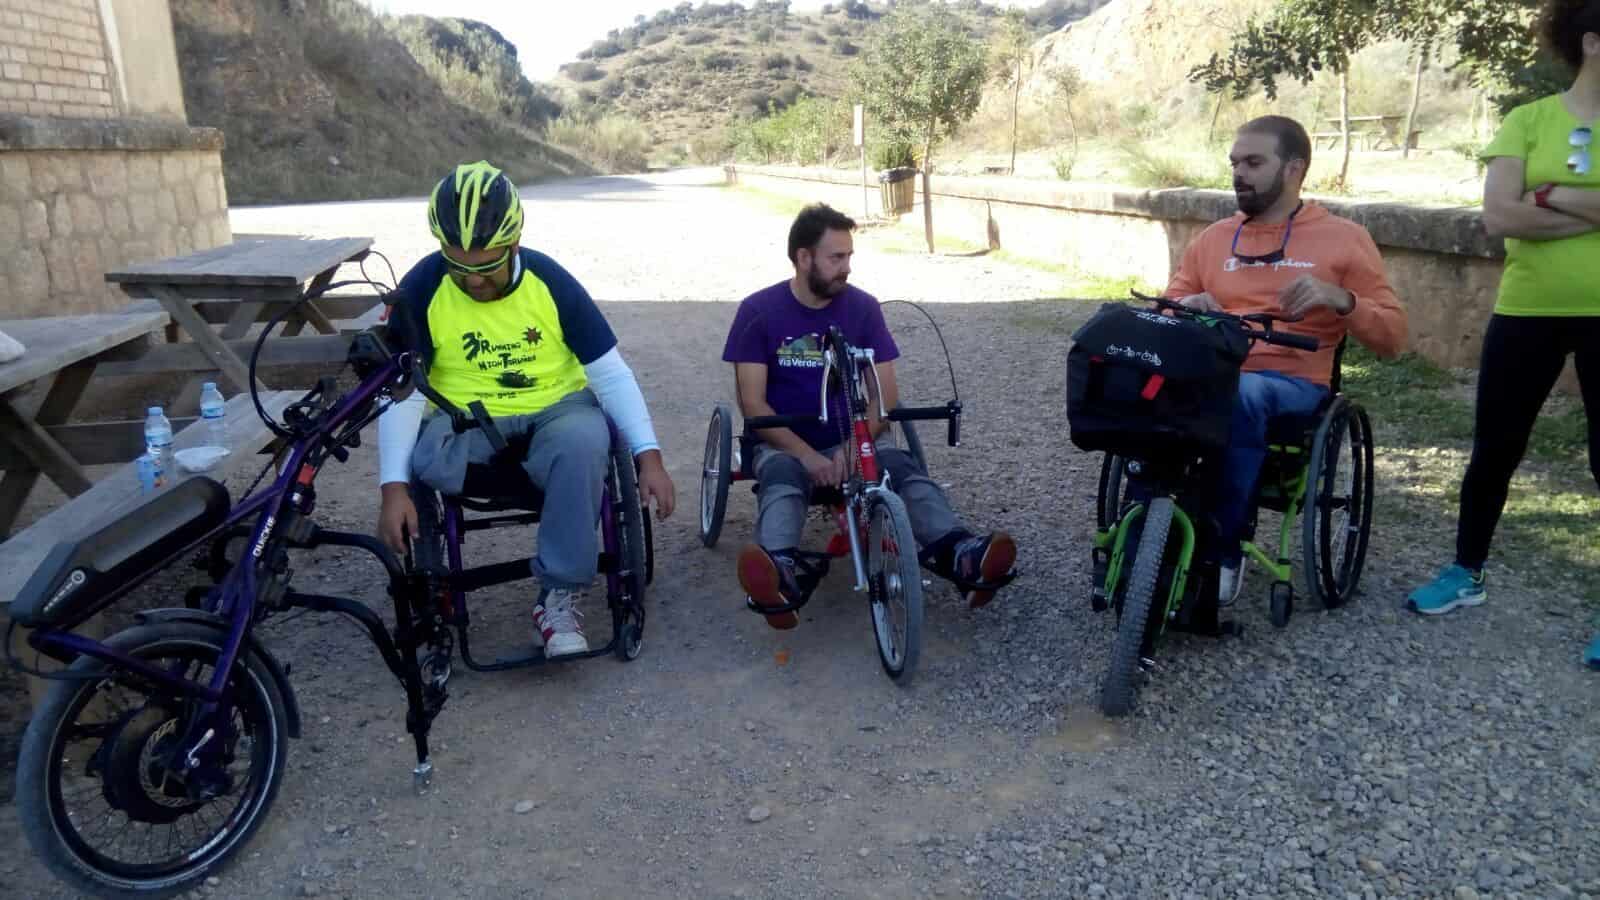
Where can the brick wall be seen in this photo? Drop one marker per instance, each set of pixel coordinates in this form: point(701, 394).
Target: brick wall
point(53, 59)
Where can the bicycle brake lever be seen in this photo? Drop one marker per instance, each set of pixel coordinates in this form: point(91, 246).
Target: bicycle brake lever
point(827, 366)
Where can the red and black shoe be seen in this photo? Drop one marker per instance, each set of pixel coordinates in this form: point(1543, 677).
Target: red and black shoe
point(770, 582)
point(984, 560)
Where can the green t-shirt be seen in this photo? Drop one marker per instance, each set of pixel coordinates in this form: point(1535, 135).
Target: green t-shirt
point(1548, 278)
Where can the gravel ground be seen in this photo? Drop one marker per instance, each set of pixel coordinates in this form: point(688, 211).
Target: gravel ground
point(1362, 753)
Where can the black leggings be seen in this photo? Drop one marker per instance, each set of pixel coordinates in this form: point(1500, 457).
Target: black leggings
point(1522, 358)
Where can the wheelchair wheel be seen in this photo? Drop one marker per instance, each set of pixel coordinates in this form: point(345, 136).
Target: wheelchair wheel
point(1136, 610)
point(630, 512)
point(1337, 520)
point(894, 579)
point(716, 472)
point(1108, 498)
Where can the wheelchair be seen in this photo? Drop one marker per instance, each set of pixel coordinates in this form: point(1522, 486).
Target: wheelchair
point(1318, 471)
point(500, 495)
point(180, 724)
point(871, 524)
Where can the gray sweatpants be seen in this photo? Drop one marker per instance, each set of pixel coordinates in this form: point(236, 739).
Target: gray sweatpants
point(567, 459)
point(785, 487)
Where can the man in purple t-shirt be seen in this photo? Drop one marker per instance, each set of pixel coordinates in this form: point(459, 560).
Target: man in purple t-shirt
point(775, 347)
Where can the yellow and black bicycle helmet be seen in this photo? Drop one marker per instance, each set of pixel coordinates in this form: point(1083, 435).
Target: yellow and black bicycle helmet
point(475, 207)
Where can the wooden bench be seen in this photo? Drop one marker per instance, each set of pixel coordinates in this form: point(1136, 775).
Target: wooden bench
point(119, 491)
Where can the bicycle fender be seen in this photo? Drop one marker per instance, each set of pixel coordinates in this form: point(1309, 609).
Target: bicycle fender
point(279, 676)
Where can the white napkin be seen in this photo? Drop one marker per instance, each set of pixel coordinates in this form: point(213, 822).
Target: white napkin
point(10, 348)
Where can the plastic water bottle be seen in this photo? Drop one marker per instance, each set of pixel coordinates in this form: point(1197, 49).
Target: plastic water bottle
point(158, 437)
point(213, 410)
point(151, 475)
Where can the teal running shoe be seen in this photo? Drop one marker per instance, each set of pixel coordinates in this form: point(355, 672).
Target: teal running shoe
point(1454, 587)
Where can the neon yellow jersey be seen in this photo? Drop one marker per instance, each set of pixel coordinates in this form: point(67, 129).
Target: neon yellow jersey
point(519, 354)
point(1548, 278)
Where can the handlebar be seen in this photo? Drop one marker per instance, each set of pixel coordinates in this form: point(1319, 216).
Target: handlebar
point(950, 411)
point(460, 422)
point(1265, 321)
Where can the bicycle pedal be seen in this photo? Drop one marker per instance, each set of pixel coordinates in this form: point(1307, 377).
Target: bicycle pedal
point(1146, 664)
point(1098, 601)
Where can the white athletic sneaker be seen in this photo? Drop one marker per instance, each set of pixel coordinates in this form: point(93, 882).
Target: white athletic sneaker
point(557, 619)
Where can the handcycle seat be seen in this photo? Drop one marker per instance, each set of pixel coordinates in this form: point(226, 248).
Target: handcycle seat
point(1294, 431)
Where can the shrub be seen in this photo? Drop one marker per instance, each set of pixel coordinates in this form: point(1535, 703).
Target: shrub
point(845, 48)
point(698, 36)
point(801, 64)
point(584, 71)
point(612, 143)
point(653, 38)
point(816, 37)
point(718, 60)
point(764, 34)
point(773, 62)
point(1063, 162)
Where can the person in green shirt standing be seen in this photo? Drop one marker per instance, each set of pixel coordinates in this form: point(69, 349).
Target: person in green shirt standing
point(1542, 194)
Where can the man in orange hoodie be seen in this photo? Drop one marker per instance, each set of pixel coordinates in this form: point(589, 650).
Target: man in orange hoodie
point(1295, 259)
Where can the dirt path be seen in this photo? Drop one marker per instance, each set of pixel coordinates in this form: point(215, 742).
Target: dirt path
point(1398, 757)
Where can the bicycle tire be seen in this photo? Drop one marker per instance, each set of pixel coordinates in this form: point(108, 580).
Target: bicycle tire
point(1133, 621)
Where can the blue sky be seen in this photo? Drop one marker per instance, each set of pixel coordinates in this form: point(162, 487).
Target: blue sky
point(550, 32)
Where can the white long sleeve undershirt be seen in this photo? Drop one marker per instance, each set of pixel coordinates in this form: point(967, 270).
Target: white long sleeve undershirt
point(609, 377)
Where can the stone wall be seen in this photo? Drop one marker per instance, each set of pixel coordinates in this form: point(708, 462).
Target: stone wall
point(1445, 269)
point(85, 197)
point(54, 60)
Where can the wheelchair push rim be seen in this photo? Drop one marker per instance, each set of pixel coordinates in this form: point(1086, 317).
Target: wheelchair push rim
point(1338, 510)
point(716, 472)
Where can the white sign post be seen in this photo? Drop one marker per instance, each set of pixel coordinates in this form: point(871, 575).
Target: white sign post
point(861, 141)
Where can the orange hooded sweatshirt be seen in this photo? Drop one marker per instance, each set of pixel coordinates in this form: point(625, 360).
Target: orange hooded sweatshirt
point(1322, 245)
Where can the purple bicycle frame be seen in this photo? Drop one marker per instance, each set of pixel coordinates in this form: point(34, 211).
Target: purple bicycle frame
point(237, 597)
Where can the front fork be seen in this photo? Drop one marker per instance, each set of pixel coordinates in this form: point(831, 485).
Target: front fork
point(1111, 553)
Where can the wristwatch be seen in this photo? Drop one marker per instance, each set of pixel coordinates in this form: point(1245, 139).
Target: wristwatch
point(1541, 196)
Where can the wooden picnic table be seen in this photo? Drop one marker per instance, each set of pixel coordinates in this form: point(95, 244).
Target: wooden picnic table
point(1378, 130)
point(61, 356)
point(237, 285)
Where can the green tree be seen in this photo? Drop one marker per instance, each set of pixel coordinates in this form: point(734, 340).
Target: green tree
point(1011, 57)
point(1495, 40)
point(922, 79)
point(1067, 82)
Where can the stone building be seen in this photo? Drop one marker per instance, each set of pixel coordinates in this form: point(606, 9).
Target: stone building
point(98, 164)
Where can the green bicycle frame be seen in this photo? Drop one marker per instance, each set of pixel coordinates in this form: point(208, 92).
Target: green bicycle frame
point(1117, 540)
point(1295, 490)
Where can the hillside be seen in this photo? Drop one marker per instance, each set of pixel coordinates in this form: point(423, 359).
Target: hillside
point(689, 72)
point(320, 100)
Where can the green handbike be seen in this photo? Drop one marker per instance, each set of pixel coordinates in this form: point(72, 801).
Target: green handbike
point(1318, 470)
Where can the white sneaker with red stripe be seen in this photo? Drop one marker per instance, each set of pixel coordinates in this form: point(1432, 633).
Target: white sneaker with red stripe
point(557, 618)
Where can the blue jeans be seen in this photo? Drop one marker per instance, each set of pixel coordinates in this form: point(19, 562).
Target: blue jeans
point(1262, 396)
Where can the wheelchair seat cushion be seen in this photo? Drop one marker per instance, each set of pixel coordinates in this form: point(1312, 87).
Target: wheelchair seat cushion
point(1296, 430)
point(501, 483)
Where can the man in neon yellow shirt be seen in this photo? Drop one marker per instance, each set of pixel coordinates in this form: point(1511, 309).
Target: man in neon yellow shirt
point(499, 323)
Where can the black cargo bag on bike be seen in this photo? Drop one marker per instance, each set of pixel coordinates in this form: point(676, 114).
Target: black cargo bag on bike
point(1142, 384)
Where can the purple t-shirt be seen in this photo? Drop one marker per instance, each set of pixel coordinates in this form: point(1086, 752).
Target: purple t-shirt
point(774, 328)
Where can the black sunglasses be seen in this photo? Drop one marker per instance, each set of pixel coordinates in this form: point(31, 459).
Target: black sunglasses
point(460, 268)
point(1268, 259)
